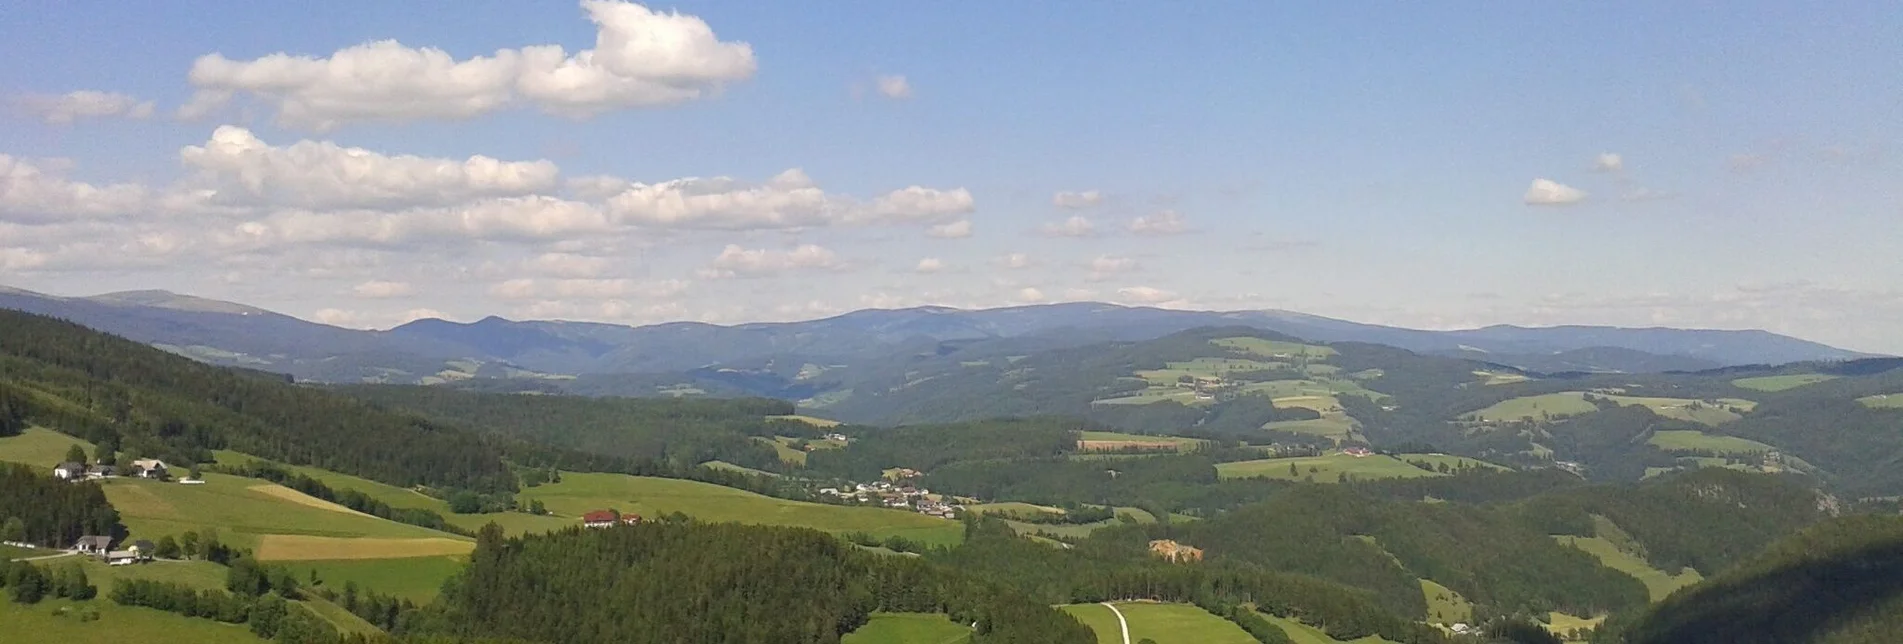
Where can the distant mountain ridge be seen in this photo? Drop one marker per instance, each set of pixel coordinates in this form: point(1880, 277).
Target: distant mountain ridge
point(435, 350)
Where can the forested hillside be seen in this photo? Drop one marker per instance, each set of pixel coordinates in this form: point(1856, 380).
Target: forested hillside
point(148, 403)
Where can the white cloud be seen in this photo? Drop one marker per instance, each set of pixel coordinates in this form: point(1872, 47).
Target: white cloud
point(641, 58)
point(31, 194)
point(734, 261)
point(955, 230)
point(586, 288)
point(242, 169)
point(929, 265)
point(379, 289)
point(596, 187)
point(1166, 222)
point(65, 109)
point(1029, 295)
point(1546, 192)
point(367, 320)
point(1075, 226)
point(1077, 200)
point(1608, 162)
point(1015, 261)
point(1079, 294)
point(1105, 266)
point(895, 87)
point(788, 200)
point(1145, 295)
point(567, 265)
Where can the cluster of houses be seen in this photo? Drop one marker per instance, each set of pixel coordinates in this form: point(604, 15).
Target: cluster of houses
point(608, 519)
point(139, 551)
point(900, 495)
point(145, 468)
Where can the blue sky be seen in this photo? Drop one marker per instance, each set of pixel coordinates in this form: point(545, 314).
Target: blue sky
point(1726, 165)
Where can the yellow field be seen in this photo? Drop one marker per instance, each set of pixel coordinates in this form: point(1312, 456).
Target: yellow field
point(1327, 468)
point(300, 498)
point(240, 514)
point(298, 547)
point(514, 523)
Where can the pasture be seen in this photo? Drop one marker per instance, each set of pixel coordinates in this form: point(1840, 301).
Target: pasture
point(810, 420)
point(647, 496)
point(1327, 468)
point(1714, 412)
point(514, 523)
point(299, 547)
point(1658, 583)
point(1081, 530)
point(1165, 623)
point(243, 511)
point(1562, 624)
point(908, 628)
point(1883, 401)
point(1573, 403)
point(1543, 406)
point(417, 579)
point(723, 465)
point(47, 622)
point(1300, 633)
point(1096, 441)
point(39, 447)
point(1334, 426)
point(1781, 383)
point(1674, 440)
point(1444, 606)
point(1500, 377)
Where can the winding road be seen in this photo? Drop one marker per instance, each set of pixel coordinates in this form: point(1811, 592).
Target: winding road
point(1121, 623)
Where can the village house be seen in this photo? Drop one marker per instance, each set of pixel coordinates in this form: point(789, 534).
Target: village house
point(69, 471)
point(143, 550)
point(102, 472)
point(92, 545)
point(599, 519)
point(1358, 452)
point(150, 468)
point(630, 519)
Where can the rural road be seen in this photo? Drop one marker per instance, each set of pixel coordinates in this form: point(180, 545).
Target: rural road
point(45, 557)
point(1121, 623)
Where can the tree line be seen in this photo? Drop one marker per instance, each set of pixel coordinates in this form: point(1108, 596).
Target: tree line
point(39, 509)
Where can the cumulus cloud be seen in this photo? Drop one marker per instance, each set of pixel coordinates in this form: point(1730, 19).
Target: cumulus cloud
point(641, 58)
point(1608, 162)
point(1166, 222)
point(1075, 226)
point(1105, 266)
point(929, 265)
point(239, 168)
point(1145, 295)
point(1015, 261)
point(586, 288)
point(1029, 295)
point(955, 230)
point(894, 86)
point(65, 109)
point(1077, 200)
point(788, 200)
point(734, 261)
point(379, 289)
point(1546, 192)
point(30, 193)
point(567, 265)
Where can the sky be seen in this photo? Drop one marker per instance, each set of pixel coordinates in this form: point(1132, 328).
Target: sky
point(1688, 164)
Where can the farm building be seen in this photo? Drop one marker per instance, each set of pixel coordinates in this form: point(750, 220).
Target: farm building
point(630, 519)
point(69, 471)
point(150, 468)
point(92, 545)
point(600, 519)
point(1358, 452)
point(101, 472)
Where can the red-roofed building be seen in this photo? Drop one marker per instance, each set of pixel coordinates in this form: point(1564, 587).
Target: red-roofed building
point(600, 519)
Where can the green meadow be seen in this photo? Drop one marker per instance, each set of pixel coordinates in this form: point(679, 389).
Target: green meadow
point(1573, 403)
point(1883, 401)
point(578, 493)
point(1300, 633)
point(1658, 583)
point(1444, 605)
point(1327, 467)
point(1165, 623)
point(1781, 383)
point(908, 628)
point(417, 579)
point(1688, 440)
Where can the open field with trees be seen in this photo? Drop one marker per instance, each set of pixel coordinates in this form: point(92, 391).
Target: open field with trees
point(242, 514)
point(59, 620)
point(417, 579)
point(1657, 582)
point(1882, 401)
point(1781, 383)
point(1090, 441)
point(578, 493)
point(1445, 605)
point(1299, 633)
point(1329, 468)
point(1696, 441)
point(1574, 403)
point(908, 628)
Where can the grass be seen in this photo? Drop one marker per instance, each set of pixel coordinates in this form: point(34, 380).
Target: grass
point(1273, 348)
point(1562, 623)
point(723, 465)
point(1300, 633)
point(1088, 441)
point(786, 452)
point(1883, 401)
point(1444, 606)
point(1100, 620)
point(1338, 427)
point(810, 420)
point(1691, 410)
point(1658, 583)
point(1081, 530)
point(1326, 468)
point(418, 579)
point(39, 447)
point(1690, 441)
point(908, 628)
point(16, 552)
point(242, 511)
point(1573, 403)
point(579, 493)
point(346, 622)
point(1501, 377)
point(1570, 403)
point(1781, 383)
point(1012, 507)
point(514, 523)
point(1179, 624)
point(116, 624)
point(298, 547)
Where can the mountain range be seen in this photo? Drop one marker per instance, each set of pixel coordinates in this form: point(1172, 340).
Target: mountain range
point(434, 350)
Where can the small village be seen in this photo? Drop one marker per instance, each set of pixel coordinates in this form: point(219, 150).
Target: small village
point(898, 491)
point(137, 552)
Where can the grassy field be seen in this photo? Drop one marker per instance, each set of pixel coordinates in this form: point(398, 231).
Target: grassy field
point(1011, 507)
point(40, 448)
point(513, 523)
point(243, 511)
point(1444, 606)
point(1686, 440)
point(1501, 377)
point(1781, 383)
point(786, 452)
point(1883, 401)
point(1327, 467)
point(115, 624)
point(1573, 403)
point(1165, 623)
point(1082, 530)
point(15, 552)
point(418, 579)
point(723, 465)
point(908, 628)
point(1657, 582)
point(1562, 623)
point(1273, 348)
point(1100, 620)
point(1088, 441)
point(579, 493)
point(304, 547)
point(810, 420)
point(1336, 426)
point(1300, 633)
